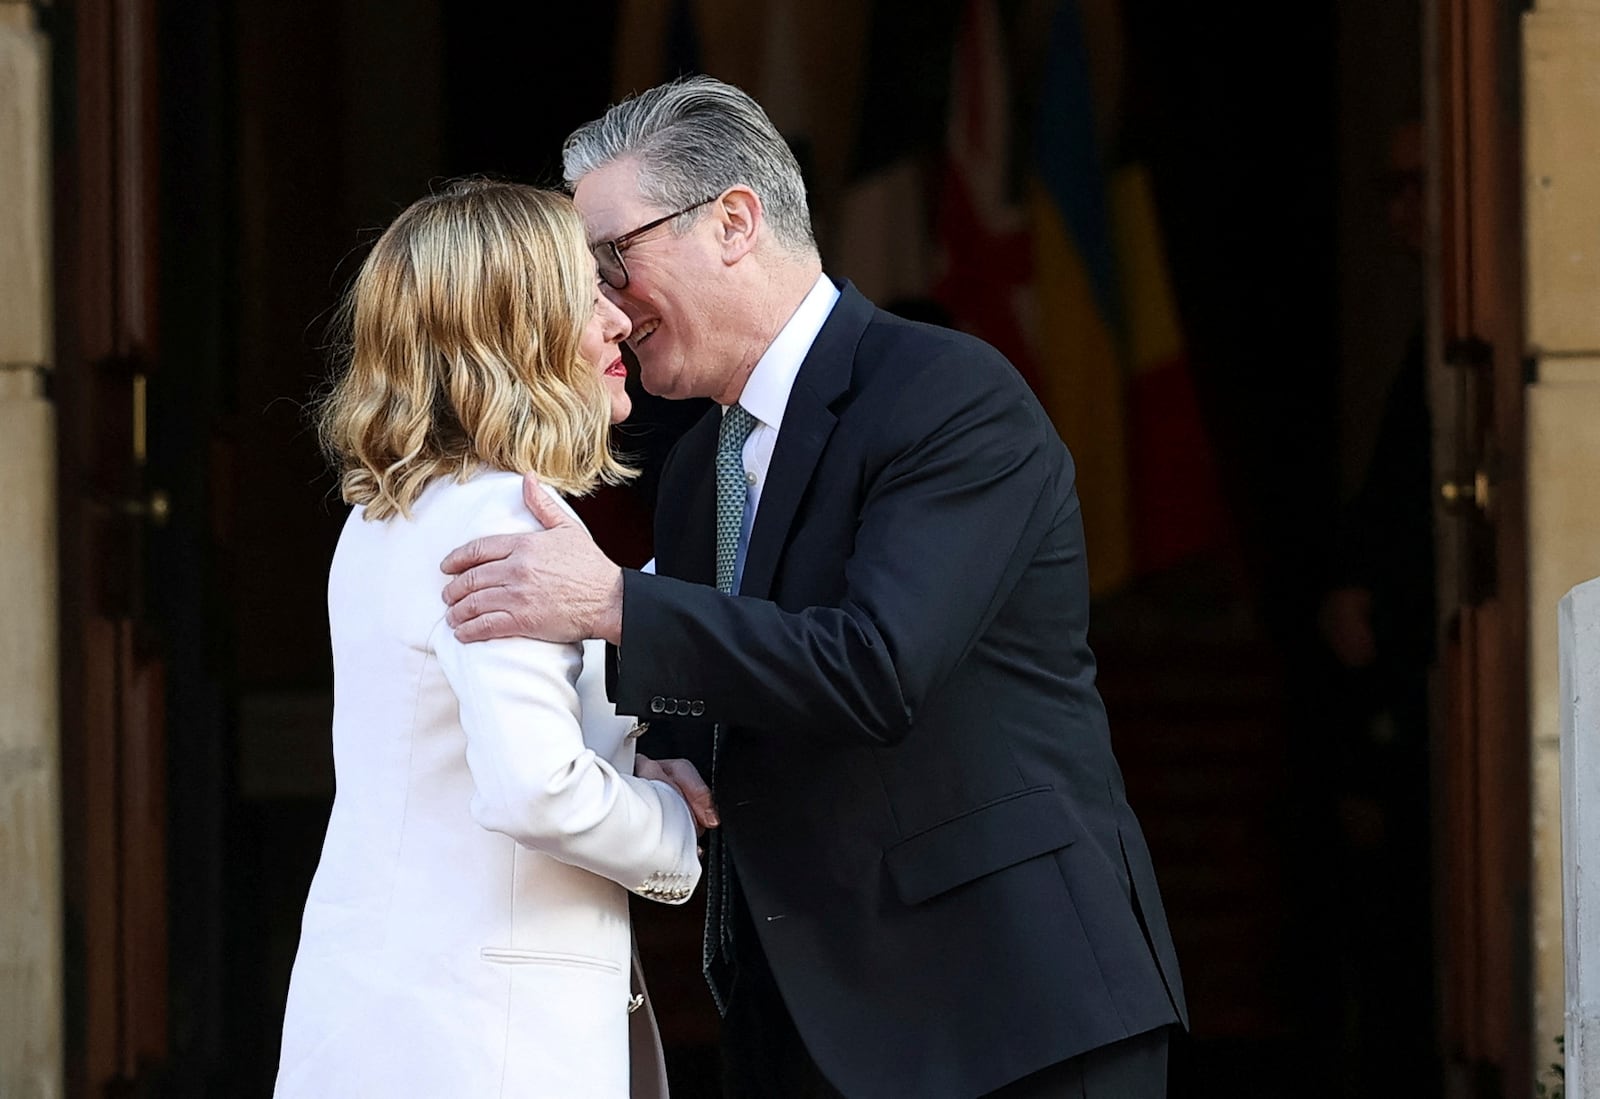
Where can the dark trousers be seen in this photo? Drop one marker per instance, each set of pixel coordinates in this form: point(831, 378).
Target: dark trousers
point(1134, 1068)
point(762, 1053)
point(763, 1056)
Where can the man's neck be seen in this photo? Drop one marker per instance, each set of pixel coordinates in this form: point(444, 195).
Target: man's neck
point(784, 288)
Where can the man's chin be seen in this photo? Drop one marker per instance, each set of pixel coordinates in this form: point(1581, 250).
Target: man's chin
point(657, 387)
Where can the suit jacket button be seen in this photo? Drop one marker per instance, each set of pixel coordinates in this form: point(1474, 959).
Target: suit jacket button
point(658, 704)
point(696, 708)
point(684, 707)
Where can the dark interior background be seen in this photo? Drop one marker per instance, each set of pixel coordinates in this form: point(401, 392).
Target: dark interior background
point(293, 132)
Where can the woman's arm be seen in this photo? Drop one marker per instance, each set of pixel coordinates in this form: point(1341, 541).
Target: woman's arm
point(536, 781)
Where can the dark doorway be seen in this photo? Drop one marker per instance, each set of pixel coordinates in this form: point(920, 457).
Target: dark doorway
point(292, 133)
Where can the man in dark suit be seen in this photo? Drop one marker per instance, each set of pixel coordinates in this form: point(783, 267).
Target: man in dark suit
point(868, 623)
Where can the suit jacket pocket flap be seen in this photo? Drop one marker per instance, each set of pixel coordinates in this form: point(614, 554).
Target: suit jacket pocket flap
point(989, 838)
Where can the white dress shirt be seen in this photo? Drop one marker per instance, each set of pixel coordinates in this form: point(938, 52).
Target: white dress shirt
point(766, 395)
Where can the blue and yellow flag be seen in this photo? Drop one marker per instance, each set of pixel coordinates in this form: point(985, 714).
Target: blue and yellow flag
point(1112, 363)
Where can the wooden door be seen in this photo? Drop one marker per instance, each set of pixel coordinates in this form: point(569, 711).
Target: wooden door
point(114, 759)
point(1482, 763)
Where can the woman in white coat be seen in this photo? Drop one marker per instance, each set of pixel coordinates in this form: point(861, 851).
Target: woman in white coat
point(466, 934)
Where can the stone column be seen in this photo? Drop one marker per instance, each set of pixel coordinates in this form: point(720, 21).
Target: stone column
point(30, 806)
point(1580, 833)
point(1561, 187)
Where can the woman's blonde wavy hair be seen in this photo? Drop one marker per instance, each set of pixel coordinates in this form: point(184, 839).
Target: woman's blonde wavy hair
point(458, 351)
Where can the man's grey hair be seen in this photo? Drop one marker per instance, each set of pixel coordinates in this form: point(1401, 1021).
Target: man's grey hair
point(694, 138)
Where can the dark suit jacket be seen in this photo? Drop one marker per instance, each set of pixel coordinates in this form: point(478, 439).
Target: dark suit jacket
point(916, 786)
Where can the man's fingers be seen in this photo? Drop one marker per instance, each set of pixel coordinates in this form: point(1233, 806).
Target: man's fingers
point(540, 502)
point(476, 579)
point(704, 812)
point(685, 775)
point(464, 608)
point(694, 790)
point(487, 627)
point(493, 547)
point(685, 778)
point(647, 768)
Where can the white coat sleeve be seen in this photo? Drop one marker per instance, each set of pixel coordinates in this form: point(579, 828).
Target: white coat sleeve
point(536, 781)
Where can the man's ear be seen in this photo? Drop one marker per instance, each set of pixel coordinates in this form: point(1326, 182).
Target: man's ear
point(741, 220)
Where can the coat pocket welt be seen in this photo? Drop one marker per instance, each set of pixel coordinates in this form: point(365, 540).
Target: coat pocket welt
point(505, 955)
point(982, 841)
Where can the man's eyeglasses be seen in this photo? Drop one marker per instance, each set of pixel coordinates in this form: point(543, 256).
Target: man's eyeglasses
point(608, 253)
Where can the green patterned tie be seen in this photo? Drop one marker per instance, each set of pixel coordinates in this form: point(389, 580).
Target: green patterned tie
point(732, 489)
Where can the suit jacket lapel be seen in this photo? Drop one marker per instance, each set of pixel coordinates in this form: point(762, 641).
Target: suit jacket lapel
point(808, 420)
point(686, 535)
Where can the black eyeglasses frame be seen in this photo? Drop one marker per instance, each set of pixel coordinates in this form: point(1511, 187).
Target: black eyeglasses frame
point(611, 250)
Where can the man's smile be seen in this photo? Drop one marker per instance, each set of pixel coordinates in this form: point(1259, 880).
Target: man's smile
point(641, 332)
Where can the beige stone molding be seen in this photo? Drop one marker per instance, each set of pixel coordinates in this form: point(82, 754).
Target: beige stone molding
point(1561, 176)
point(25, 334)
point(1570, 370)
point(1563, 465)
point(30, 808)
point(22, 381)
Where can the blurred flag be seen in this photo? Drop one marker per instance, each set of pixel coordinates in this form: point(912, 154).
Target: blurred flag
point(937, 195)
point(878, 233)
point(1079, 300)
point(1177, 497)
point(986, 261)
point(1070, 282)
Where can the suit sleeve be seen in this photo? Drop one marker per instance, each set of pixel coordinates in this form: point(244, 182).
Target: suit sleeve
point(536, 781)
point(973, 478)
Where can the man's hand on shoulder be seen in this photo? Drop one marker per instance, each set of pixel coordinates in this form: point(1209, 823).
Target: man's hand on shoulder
point(550, 585)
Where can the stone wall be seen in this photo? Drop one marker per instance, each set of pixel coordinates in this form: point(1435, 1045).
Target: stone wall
point(30, 811)
point(1561, 47)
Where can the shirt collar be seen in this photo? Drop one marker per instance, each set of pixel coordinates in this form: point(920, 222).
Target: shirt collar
point(766, 391)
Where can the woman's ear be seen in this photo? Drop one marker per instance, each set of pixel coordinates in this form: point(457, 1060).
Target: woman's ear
point(741, 220)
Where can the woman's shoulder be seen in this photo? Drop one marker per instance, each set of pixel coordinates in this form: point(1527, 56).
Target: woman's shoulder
point(488, 502)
